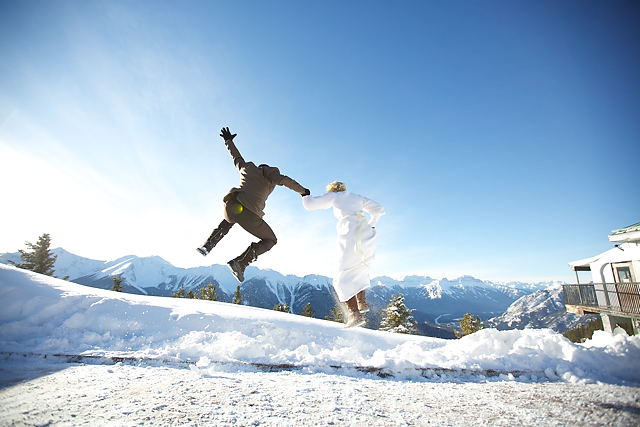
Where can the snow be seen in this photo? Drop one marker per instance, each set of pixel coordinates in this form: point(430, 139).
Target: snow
point(146, 272)
point(461, 282)
point(541, 309)
point(73, 354)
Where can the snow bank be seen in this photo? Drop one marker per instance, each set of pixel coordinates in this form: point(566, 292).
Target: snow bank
point(43, 315)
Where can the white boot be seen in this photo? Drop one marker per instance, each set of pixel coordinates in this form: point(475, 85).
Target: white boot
point(355, 317)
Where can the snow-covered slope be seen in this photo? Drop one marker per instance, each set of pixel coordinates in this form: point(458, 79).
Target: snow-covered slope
point(436, 302)
point(48, 316)
point(541, 309)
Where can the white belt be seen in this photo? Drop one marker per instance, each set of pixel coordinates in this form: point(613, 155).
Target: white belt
point(362, 223)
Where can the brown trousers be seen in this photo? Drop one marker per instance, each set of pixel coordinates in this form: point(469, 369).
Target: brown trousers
point(235, 213)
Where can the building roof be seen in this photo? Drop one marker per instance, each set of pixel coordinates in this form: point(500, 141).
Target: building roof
point(584, 264)
point(634, 227)
point(627, 234)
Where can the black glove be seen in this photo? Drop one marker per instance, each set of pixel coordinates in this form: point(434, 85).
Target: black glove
point(227, 135)
point(306, 192)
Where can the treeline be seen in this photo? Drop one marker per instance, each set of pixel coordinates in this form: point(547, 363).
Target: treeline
point(209, 293)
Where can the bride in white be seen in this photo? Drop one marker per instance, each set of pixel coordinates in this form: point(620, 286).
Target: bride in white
point(356, 245)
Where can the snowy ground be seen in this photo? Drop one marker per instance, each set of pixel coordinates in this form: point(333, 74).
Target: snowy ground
point(125, 394)
point(119, 359)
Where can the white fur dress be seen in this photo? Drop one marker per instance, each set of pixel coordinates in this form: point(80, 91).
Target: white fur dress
point(356, 238)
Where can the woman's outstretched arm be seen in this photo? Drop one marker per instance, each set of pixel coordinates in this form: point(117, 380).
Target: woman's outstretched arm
point(321, 202)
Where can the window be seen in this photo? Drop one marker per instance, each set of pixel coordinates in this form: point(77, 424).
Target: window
point(624, 274)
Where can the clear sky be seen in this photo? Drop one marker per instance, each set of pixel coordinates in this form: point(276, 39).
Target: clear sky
point(502, 137)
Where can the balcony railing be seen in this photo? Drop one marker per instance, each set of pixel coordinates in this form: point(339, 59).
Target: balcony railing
point(619, 298)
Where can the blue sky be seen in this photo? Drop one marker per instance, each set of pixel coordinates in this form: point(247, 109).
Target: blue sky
point(501, 137)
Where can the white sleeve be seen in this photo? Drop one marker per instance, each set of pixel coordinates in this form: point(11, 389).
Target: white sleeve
point(374, 209)
point(321, 202)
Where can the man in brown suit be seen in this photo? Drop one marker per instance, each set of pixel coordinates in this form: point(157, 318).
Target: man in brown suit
point(244, 205)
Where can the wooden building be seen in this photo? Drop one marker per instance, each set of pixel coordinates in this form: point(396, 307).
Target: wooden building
point(613, 290)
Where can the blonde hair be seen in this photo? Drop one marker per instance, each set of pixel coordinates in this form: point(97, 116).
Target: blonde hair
point(336, 187)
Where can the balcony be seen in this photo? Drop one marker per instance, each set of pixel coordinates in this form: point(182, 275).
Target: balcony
point(618, 299)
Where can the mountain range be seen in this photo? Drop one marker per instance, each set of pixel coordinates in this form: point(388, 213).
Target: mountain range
point(437, 303)
point(542, 309)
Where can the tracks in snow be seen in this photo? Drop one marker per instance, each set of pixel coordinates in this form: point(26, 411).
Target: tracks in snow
point(428, 373)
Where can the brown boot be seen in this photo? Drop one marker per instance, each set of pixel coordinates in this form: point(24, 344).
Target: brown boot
point(355, 317)
point(215, 237)
point(363, 307)
point(238, 265)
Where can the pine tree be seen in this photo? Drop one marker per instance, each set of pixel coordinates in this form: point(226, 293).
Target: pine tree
point(282, 307)
point(209, 293)
point(191, 294)
point(237, 296)
point(117, 284)
point(469, 324)
point(337, 314)
point(179, 294)
point(398, 318)
point(308, 311)
point(39, 259)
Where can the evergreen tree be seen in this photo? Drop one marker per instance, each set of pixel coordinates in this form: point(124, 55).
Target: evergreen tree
point(282, 307)
point(398, 318)
point(209, 293)
point(38, 258)
point(337, 314)
point(117, 284)
point(469, 324)
point(180, 293)
point(191, 294)
point(308, 311)
point(237, 296)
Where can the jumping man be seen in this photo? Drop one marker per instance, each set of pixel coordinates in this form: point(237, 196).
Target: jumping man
point(244, 205)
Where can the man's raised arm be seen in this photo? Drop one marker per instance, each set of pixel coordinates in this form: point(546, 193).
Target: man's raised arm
point(238, 161)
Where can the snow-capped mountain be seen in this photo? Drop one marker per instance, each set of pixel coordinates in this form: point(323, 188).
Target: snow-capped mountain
point(157, 277)
point(438, 303)
point(541, 309)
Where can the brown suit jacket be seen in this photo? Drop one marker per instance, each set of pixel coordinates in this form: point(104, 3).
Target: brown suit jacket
point(256, 182)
